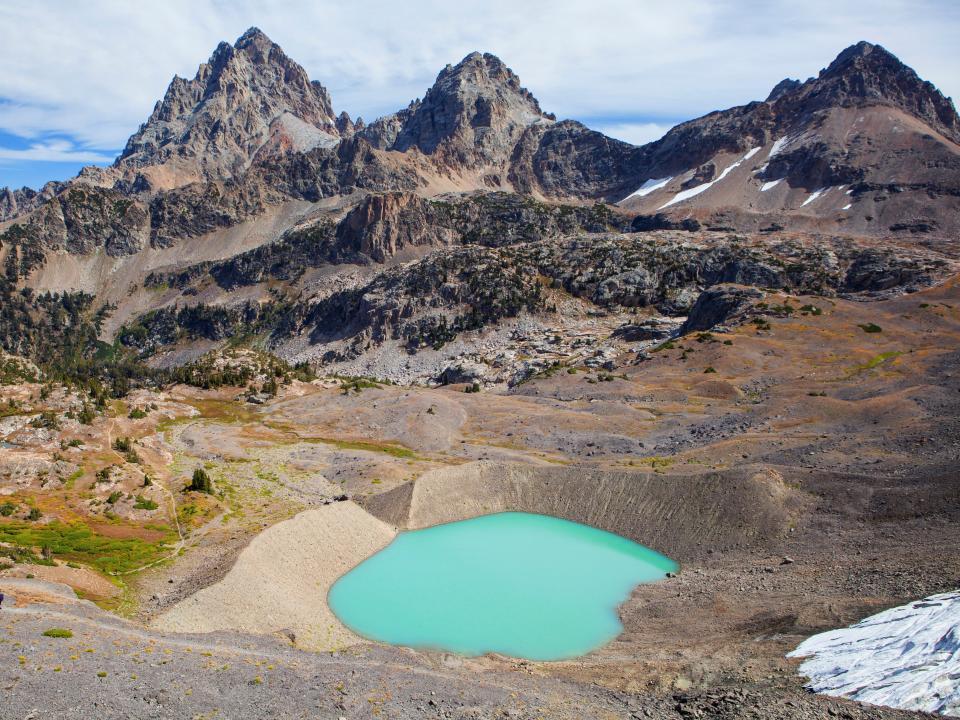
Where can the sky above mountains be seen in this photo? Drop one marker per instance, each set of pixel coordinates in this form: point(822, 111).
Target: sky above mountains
point(79, 78)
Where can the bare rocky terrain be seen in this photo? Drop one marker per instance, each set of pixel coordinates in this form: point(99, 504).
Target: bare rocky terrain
point(814, 510)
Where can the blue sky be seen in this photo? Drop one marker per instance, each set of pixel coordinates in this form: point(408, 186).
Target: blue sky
point(79, 78)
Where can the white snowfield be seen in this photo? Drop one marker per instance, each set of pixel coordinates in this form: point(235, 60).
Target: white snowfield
point(778, 146)
point(648, 187)
point(907, 657)
point(770, 185)
point(813, 196)
point(687, 194)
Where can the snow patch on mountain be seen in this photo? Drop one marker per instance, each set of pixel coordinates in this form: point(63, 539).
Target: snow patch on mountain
point(907, 657)
point(813, 196)
point(648, 187)
point(778, 146)
point(691, 192)
point(770, 185)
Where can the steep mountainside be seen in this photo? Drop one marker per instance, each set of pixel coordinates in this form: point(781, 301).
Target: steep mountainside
point(246, 206)
point(247, 98)
point(866, 147)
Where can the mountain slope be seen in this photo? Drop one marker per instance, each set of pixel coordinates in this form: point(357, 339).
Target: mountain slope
point(212, 126)
point(244, 204)
point(866, 147)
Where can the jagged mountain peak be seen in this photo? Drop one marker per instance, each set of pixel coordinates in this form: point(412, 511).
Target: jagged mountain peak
point(253, 36)
point(867, 74)
point(474, 110)
point(862, 49)
point(211, 127)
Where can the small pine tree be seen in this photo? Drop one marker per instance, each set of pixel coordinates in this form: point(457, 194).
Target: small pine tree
point(87, 415)
point(201, 482)
point(270, 387)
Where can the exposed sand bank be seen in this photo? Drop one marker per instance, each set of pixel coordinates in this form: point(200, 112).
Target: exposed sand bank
point(279, 583)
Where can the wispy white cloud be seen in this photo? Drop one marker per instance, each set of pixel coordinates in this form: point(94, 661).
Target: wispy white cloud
point(53, 151)
point(93, 70)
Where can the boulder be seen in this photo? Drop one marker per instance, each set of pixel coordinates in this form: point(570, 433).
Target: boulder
point(718, 304)
point(652, 329)
point(462, 371)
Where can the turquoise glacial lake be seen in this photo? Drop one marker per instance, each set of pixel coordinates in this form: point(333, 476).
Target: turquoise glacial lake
point(519, 584)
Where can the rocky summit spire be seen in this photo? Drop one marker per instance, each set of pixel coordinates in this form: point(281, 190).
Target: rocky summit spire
point(865, 74)
point(211, 126)
point(476, 107)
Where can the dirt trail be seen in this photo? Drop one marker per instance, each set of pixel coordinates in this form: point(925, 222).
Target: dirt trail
point(181, 541)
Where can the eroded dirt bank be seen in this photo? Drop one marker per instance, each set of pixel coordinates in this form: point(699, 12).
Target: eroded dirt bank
point(679, 515)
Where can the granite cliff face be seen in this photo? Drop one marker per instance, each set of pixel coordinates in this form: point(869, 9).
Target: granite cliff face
point(472, 116)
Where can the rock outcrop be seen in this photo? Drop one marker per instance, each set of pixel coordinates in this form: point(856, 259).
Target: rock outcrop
point(719, 304)
point(212, 126)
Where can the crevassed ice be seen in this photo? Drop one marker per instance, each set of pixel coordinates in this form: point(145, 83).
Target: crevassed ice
point(687, 194)
point(907, 657)
point(649, 186)
point(769, 185)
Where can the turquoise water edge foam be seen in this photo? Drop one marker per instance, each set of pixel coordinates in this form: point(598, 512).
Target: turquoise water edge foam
point(519, 584)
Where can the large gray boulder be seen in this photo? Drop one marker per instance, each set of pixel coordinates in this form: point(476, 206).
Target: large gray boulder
point(717, 305)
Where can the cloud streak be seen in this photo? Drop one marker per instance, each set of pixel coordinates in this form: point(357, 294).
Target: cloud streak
point(53, 151)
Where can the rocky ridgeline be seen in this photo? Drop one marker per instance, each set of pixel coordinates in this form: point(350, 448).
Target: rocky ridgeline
point(429, 303)
point(863, 75)
point(251, 131)
point(527, 209)
point(383, 224)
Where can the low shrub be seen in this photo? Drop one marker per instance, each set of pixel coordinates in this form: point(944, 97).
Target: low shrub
point(143, 503)
point(58, 633)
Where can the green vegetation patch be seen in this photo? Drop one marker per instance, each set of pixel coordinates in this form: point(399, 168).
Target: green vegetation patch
point(870, 328)
point(76, 541)
point(143, 503)
point(877, 360)
point(58, 633)
point(395, 450)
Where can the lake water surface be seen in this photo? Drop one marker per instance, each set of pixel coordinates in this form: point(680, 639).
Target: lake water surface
point(519, 584)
